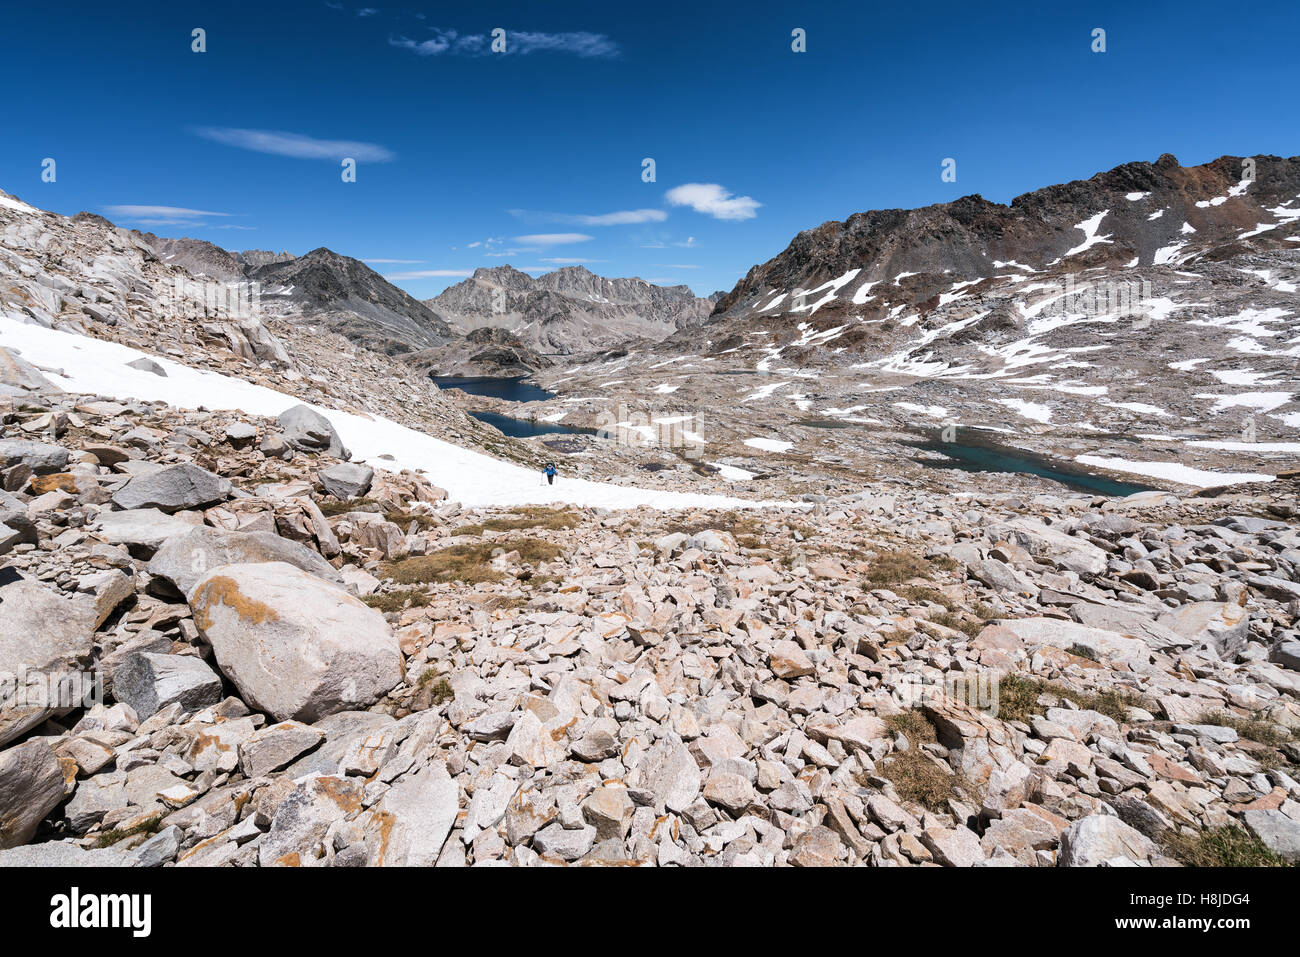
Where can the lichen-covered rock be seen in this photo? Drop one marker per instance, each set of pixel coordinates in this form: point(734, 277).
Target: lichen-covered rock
point(185, 559)
point(295, 646)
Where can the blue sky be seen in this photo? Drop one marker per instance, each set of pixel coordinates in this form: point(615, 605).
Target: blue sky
point(533, 157)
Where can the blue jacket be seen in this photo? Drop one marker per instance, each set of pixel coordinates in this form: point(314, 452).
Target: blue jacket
point(550, 470)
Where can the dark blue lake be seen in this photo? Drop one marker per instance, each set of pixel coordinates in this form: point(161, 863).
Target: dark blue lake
point(513, 389)
point(524, 429)
point(992, 458)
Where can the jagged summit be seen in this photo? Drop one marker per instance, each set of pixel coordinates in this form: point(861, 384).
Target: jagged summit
point(1137, 214)
point(570, 309)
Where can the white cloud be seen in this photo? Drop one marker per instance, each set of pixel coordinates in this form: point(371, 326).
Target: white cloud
point(521, 43)
point(713, 200)
point(553, 239)
point(296, 145)
point(160, 213)
point(622, 217)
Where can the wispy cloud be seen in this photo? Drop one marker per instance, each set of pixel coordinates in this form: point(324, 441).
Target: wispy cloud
point(713, 200)
point(161, 212)
point(552, 239)
point(296, 145)
point(687, 243)
point(518, 43)
point(430, 274)
point(621, 217)
point(167, 216)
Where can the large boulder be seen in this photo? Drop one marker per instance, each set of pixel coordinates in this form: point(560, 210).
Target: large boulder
point(412, 820)
point(1279, 833)
point(41, 457)
point(272, 748)
point(671, 774)
point(39, 627)
point(33, 782)
point(295, 646)
point(303, 819)
point(16, 526)
point(18, 373)
point(1103, 840)
point(143, 529)
point(1049, 544)
point(173, 488)
point(307, 430)
point(185, 559)
point(346, 480)
point(1221, 625)
point(66, 854)
point(1127, 622)
point(150, 682)
point(1057, 633)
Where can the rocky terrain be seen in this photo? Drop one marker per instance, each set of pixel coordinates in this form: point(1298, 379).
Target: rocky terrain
point(227, 638)
point(570, 310)
point(307, 662)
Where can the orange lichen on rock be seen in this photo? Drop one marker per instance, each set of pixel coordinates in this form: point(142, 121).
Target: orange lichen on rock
point(223, 590)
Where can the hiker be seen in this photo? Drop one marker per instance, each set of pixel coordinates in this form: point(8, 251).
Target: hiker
point(550, 473)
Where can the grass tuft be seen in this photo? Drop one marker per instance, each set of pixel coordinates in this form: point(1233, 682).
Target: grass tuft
point(393, 601)
point(549, 518)
point(1018, 699)
point(149, 825)
point(1222, 847)
point(1252, 729)
point(897, 566)
point(469, 563)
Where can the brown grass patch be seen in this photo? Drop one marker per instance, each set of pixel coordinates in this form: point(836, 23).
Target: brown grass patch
point(913, 725)
point(394, 601)
point(1223, 847)
point(469, 563)
point(1018, 699)
point(550, 518)
point(920, 779)
point(897, 566)
point(1252, 729)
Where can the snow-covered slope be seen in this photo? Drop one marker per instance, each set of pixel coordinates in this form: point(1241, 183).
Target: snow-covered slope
point(83, 364)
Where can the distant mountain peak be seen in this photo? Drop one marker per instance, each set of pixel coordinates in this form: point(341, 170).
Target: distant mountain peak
point(1133, 215)
point(570, 309)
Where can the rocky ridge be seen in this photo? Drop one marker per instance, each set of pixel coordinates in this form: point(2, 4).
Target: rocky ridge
point(570, 310)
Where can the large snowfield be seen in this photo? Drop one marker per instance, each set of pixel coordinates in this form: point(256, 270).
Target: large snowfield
point(83, 364)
